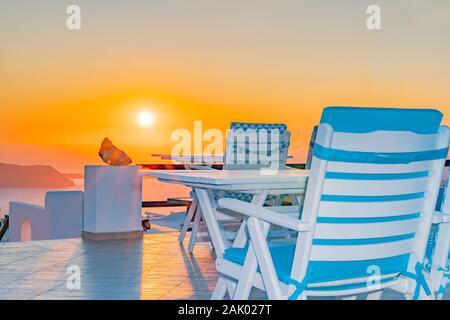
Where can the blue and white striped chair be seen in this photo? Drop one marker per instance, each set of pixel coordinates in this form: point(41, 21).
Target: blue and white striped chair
point(235, 146)
point(242, 154)
point(437, 257)
point(311, 148)
point(368, 209)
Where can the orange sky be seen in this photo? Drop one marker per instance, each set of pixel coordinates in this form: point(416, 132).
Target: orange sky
point(215, 61)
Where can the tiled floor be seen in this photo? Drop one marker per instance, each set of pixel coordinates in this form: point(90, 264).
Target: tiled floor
point(156, 267)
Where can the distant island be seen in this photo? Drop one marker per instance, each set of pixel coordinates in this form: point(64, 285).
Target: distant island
point(74, 175)
point(36, 176)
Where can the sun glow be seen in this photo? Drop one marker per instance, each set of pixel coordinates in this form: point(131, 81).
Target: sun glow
point(145, 119)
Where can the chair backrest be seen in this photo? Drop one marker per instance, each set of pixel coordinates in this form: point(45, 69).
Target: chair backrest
point(373, 184)
point(256, 145)
point(311, 148)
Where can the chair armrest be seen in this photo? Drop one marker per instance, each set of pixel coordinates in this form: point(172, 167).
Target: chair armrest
point(286, 209)
point(265, 214)
point(441, 217)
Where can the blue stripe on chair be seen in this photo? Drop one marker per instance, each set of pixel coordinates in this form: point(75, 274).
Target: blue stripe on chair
point(440, 198)
point(431, 243)
point(376, 176)
point(363, 119)
point(338, 155)
point(368, 220)
point(399, 197)
point(350, 286)
point(356, 242)
point(323, 271)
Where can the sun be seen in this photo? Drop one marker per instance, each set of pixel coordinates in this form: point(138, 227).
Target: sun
point(145, 118)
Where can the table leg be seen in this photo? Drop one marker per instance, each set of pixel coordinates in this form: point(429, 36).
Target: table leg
point(195, 227)
point(187, 221)
point(207, 206)
point(250, 266)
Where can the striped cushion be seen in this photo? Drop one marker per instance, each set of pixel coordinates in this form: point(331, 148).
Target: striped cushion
point(247, 197)
point(284, 145)
point(281, 127)
point(245, 127)
point(323, 271)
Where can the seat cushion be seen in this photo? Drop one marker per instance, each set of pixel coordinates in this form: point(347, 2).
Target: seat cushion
point(219, 194)
point(323, 271)
point(361, 119)
point(282, 257)
point(281, 127)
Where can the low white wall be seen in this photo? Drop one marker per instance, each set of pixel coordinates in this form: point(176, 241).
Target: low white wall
point(19, 212)
point(61, 218)
point(111, 203)
point(66, 214)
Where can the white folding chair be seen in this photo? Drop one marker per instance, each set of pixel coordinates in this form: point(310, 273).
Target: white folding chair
point(244, 151)
point(368, 209)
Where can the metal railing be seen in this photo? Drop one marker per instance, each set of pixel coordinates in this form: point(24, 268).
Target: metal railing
point(175, 202)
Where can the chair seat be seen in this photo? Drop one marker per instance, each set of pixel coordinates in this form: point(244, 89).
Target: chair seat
point(323, 271)
point(247, 197)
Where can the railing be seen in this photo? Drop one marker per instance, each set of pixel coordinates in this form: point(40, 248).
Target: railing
point(4, 226)
point(162, 166)
point(176, 202)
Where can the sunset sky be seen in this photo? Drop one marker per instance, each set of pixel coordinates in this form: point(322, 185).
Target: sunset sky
point(62, 92)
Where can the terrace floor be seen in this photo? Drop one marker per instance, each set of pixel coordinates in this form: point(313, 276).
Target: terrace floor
point(156, 267)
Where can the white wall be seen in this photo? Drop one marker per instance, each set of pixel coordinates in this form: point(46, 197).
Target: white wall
point(61, 218)
point(113, 199)
point(38, 217)
point(66, 214)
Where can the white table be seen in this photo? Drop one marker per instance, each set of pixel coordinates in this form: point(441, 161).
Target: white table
point(256, 182)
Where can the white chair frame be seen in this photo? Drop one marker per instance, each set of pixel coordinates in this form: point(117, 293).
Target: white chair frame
point(245, 277)
point(196, 210)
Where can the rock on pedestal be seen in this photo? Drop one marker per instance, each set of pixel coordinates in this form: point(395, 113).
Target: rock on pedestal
point(112, 203)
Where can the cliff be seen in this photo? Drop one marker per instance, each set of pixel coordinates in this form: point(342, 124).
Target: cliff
point(17, 176)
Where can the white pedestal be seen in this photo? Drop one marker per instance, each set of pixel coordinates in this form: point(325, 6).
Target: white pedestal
point(112, 203)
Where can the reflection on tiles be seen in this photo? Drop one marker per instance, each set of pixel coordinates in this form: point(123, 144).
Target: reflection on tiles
point(156, 267)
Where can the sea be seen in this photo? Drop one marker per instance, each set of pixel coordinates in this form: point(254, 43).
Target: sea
point(152, 190)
